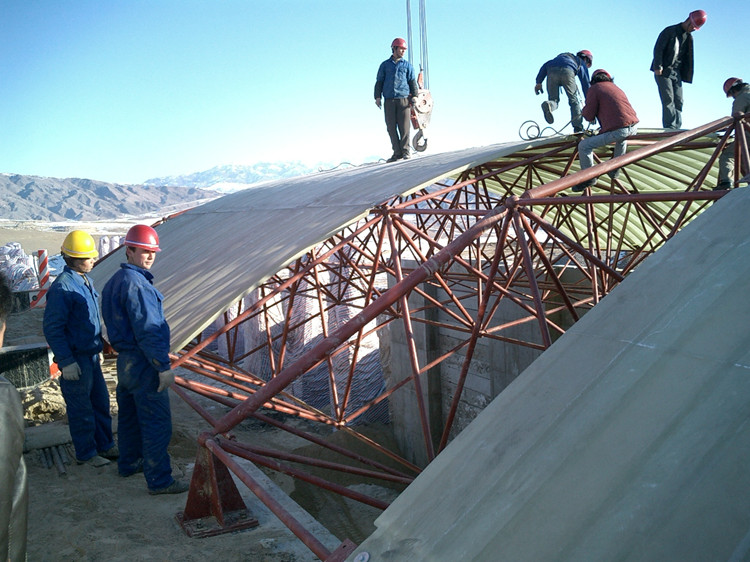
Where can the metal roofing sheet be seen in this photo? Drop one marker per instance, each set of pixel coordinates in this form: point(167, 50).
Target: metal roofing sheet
point(216, 253)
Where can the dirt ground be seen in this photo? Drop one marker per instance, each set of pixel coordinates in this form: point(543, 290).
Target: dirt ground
point(91, 514)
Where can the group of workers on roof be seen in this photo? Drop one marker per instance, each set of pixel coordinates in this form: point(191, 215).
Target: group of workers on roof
point(672, 65)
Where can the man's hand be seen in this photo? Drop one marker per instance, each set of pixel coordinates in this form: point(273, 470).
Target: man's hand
point(377, 102)
point(538, 89)
point(71, 372)
point(657, 71)
point(166, 379)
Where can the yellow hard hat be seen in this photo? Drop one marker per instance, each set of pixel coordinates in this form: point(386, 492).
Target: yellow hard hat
point(79, 244)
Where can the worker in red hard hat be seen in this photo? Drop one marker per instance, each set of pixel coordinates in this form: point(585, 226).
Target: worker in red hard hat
point(138, 331)
point(740, 91)
point(397, 83)
point(673, 64)
point(608, 104)
point(561, 72)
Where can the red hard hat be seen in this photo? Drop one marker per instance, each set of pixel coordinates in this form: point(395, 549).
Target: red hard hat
point(601, 71)
point(698, 18)
point(142, 236)
point(587, 54)
point(398, 42)
point(729, 82)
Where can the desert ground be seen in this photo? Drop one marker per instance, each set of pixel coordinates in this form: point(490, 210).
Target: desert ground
point(91, 514)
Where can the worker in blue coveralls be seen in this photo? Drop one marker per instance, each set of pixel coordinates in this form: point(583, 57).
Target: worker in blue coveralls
point(397, 83)
point(561, 72)
point(138, 331)
point(74, 333)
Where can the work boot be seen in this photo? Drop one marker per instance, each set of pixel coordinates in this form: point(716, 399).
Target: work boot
point(722, 185)
point(176, 487)
point(112, 453)
point(96, 461)
point(583, 185)
point(393, 158)
point(406, 156)
point(547, 112)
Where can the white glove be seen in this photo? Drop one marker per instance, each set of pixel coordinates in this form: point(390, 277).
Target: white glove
point(101, 358)
point(166, 379)
point(71, 372)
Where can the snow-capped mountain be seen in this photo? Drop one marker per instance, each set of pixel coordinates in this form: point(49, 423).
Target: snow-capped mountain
point(230, 178)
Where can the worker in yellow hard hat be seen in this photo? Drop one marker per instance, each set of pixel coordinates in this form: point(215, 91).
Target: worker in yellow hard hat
point(73, 330)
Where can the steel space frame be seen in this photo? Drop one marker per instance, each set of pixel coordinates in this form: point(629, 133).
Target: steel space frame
point(498, 233)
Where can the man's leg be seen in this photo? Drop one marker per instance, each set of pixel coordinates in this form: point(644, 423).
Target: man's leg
point(666, 94)
point(568, 83)
point(100, 405)
point(726, 166)
point(390, 109)
point(77, 395)
point(128, 428)
point(155, 422)
point(677, 90)
point(553, 94)
point(404, 126)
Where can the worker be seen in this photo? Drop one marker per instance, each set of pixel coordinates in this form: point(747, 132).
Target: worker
point(561, 72)
point(138, 331)
point(740, 91)
point(73, 331)
point(14, 484)
point(609, 104)
point(397, 83)
point(673, 64)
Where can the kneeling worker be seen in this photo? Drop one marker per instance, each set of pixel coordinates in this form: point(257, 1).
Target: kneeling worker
point(609, 104)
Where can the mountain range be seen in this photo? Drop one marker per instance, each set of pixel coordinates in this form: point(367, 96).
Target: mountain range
point(25, 197)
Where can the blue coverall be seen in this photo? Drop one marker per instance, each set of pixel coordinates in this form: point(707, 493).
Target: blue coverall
point(137, 330)
point(74, 333)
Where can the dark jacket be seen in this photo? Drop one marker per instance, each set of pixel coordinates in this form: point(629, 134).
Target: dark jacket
point(672, 44)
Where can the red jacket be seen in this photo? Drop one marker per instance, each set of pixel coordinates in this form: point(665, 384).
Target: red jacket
point(609, 104)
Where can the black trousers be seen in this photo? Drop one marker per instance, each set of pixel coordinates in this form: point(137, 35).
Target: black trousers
point(398, 123)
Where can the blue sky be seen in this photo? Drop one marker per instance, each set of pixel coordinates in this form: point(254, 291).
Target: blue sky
point(127, 91)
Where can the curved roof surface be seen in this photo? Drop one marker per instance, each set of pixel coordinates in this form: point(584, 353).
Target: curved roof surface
point(625, 440)
point(218, 252)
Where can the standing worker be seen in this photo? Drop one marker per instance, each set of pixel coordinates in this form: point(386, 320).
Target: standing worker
point(14, 483)
point(561, 72)
point(138, 331)
point(397, 82)
point(74, 333)
point(609, 104)
point(673, 65)
point(740, 91)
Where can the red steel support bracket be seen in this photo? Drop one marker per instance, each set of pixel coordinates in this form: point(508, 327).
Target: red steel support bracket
point(214, 505)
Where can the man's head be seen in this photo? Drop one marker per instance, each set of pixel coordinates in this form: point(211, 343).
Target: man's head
point(79, 251)
point(732, 86)
point(141, 245)
point(600, 75)
point(398, 48)
point(5, 304)
point(694, 21)
point(586, 56)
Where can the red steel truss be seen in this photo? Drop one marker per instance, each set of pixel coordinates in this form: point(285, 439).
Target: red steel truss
point(503, 232)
